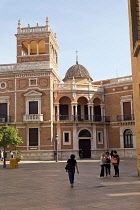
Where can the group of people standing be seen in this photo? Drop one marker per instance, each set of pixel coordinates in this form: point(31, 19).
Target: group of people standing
point(105, 163)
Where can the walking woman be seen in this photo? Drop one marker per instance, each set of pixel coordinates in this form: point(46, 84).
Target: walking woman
point(70, 168)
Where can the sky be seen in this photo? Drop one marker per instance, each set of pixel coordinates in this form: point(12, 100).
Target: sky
point(97, 29)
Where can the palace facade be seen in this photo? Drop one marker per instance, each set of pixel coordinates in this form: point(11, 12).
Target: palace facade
point(63, 116)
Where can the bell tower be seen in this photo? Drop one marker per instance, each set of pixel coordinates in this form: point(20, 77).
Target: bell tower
point(35, 44)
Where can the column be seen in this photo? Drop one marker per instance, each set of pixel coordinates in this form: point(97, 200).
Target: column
point(59, 137)
point(92, 112)
point(102, 111)
point(75, 138)
point(105, 138)
point(58, 112)
point(72, 112)
point(94, 140)
point(37, 48)
point(76, 117)
point(88, 112)
point(28, 49)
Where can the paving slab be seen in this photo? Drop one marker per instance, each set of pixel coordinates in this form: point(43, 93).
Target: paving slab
point(39, 185)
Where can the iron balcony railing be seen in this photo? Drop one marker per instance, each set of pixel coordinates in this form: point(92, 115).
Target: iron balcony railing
point(82, 118)
point(4, 119)
point(128, 117)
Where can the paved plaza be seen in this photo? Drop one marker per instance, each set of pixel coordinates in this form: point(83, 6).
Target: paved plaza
point(39, 185)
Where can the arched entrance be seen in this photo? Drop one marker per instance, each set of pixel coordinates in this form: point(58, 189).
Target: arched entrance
point(85, 143)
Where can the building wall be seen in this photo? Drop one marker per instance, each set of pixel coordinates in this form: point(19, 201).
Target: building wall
point(134, 19)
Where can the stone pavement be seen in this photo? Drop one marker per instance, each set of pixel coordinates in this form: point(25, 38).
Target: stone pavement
point(40, 185)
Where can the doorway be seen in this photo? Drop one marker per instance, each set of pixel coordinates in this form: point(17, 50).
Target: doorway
point(85, 143)
point(85, 146)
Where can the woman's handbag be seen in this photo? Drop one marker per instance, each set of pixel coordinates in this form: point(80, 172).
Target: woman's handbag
point(113, 160)
point(68, 167)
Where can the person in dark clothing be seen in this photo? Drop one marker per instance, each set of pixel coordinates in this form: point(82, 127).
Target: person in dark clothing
point(107, 163)
point(111, 154)
point(71, 171)
point(116, 165)
point(81, 154)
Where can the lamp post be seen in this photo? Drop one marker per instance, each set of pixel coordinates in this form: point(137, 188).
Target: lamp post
point(4, 146)
point(56, 147)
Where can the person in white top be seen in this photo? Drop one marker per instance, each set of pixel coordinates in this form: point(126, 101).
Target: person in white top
point(2, 157)
point(11, 154)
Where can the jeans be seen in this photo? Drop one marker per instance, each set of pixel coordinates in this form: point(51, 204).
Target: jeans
point(116, 168)
point(71, 173)
point(102, 171)
point(107, 167)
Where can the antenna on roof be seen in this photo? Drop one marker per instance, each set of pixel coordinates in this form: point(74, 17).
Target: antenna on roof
point(76, 57)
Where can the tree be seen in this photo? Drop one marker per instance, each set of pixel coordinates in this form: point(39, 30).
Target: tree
point(9, 137)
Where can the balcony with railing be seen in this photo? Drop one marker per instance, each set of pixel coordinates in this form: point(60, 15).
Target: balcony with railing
point(129, 117)
point(33, 118)
point(5, 119)
point(82, 118)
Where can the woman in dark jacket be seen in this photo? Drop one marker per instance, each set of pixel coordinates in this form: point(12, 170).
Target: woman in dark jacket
point(70, 168)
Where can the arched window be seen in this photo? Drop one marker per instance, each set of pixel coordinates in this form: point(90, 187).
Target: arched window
point(24, 48)
point(33, 48)
point(84, 133)
point(41, 47)
point(128, 138)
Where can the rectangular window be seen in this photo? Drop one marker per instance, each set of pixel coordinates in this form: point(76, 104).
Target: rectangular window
point(3, 112)
point(127, 110)
point(99, 137)
point(33, 136)
point(33, 107)
point(66, 137)
point(33, 82)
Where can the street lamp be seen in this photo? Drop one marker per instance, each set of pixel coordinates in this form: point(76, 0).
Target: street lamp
point(56, 147)
point(4, 146)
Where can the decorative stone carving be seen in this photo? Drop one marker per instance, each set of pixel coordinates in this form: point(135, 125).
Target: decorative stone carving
point(55, 95)
point(74, 95)
point(10, 84)
point(43, 82)
point(3, 85)
point(23, 83)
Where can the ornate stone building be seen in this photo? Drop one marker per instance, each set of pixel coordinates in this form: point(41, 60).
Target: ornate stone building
point(65, 116)
point(134, 22)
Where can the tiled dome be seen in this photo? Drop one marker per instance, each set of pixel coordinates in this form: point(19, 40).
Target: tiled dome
point(77, 71)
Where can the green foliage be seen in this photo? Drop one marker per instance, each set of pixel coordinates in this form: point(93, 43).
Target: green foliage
point(18, 154)
point(10, 137)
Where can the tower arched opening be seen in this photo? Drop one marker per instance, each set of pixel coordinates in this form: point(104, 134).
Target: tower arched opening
point(33, 48)
point(24, 48)
point(41, 46)
point(64, 108)
point(97, 109)
point(82, 109)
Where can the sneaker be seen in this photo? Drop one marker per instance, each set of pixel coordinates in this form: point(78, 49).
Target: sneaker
point(71, 185)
